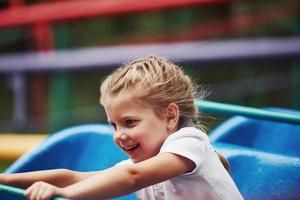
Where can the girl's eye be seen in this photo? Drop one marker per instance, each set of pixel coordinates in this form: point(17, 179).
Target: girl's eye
point(130, 122)
point(113, 125)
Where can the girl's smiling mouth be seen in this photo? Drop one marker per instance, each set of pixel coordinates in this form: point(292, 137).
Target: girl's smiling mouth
point(130, 148)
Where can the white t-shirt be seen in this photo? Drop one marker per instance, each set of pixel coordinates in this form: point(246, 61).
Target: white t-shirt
point(208, 181)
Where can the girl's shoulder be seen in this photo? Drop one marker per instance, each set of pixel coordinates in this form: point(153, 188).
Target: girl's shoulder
point(189, 132)
point(185, 140)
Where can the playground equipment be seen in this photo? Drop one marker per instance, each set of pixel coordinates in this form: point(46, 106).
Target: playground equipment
point(274, 137)
point(262, 152)
point(262, 175)
point(12, 146)
point(273, 130)
point(258, 174)
point(261, 167)
point(80, 148)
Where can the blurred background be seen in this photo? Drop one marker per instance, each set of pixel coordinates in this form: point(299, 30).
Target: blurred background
point(54, 53)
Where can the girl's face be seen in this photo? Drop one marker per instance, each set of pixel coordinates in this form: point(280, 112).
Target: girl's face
point(138, 130)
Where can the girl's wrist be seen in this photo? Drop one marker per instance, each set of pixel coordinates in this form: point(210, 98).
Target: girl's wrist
point(3, 179)
point(62, 192)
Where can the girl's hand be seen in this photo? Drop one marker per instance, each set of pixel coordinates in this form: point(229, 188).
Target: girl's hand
point(42, 191)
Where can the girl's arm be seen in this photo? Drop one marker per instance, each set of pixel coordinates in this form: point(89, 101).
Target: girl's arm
point(57, 177)
point(125, 179)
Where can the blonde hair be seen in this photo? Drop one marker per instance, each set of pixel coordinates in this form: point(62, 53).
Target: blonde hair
point(157, 82)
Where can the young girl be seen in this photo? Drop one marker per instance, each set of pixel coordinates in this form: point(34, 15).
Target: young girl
point(149, 103)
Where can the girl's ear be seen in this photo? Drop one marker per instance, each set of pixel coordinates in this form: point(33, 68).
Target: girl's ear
point(172, 116)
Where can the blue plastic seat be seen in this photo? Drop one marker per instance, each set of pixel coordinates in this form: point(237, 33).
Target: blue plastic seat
point(262, 176)
point(80, 148)
point(270, 136)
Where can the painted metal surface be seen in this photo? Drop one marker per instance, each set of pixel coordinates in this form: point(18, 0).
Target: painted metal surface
point(230, 109)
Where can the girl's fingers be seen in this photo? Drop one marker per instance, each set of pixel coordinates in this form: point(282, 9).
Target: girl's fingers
point(32, 191)
point(28, 191)
point(40, 191)
point(33, 194)
point(47, 195)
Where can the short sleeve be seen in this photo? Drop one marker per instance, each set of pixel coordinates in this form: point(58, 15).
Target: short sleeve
point(124, 162)
point(188, 142)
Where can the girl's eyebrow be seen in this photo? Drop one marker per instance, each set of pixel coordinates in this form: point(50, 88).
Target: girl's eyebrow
point(129, 117)
point(123, 118)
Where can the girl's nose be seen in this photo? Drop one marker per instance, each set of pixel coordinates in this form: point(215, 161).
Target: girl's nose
point(120, 136)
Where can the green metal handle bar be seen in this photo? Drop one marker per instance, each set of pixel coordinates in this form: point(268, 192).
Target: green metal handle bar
point(16, 192)
point(230, 109)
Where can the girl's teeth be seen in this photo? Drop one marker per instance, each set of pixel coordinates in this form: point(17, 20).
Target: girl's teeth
point(131, 147)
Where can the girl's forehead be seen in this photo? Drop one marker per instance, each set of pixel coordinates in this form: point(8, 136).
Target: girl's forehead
point(122, 109)
point(125, 97)
point(120, 103)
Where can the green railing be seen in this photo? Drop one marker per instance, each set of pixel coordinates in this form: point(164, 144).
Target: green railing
point(9, 192)
point(230, 109)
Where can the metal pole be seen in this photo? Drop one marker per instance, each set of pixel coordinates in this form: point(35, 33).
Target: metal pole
point(19, 98)
point(229, 110)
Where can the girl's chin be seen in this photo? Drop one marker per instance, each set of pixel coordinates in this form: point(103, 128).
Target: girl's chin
point(135, 159)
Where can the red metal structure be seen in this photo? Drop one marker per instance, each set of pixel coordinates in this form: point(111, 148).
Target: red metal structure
point(40, 17)
point(69, 10)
